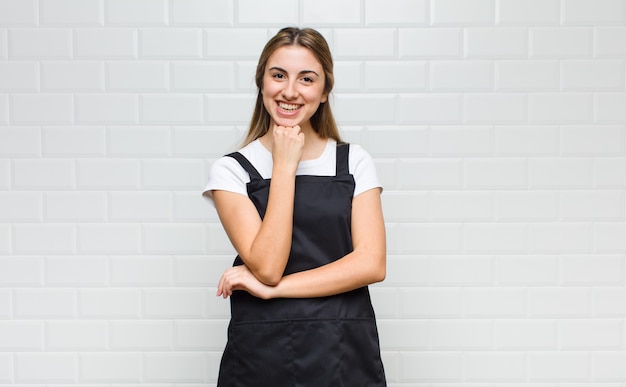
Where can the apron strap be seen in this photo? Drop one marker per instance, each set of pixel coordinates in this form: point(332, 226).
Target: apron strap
point(341, 164)
point(247, 165)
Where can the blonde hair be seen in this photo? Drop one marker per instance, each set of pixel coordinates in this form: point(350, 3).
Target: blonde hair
point(322, 120)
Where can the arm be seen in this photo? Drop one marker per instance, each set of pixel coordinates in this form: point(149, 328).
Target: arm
point(365, 265)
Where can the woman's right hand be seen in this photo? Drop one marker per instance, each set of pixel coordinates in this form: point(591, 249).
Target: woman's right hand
point(287, 147)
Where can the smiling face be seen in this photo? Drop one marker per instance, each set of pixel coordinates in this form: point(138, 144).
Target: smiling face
point(293, 86)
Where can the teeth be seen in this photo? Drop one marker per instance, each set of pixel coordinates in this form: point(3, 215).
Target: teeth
point(288, 106)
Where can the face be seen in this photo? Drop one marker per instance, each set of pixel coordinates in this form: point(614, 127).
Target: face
point(293, 86)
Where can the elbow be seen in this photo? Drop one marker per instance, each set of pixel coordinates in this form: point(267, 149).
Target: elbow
point(379, 269)
point(268, 278)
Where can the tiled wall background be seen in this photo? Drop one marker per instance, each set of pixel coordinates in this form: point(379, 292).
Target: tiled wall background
point(497, 127)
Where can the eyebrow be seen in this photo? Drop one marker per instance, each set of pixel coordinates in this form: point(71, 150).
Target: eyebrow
point(301, 72)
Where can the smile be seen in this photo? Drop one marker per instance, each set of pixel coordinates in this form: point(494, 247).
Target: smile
point(288, 106)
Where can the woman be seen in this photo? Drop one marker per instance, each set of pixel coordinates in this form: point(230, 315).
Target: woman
point(303, 211)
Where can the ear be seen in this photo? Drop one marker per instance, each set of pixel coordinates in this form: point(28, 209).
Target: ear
point(324, 98)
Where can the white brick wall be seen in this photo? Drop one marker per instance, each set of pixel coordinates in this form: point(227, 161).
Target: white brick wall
point(498, 128)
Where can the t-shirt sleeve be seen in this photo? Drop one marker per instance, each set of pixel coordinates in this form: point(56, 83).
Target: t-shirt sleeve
point(363, 169)
point(228, 175)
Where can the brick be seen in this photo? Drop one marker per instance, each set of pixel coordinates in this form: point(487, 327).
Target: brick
point(430, 173)
point(592, 270)
point(588, 12)
point(396, 12)
point(107, 108)
point(180, 303)
point(177, 108)
point(107, 174)
point(458, 206)
point(21, 336)
point(226, 109)
point(76, 335)
point(137, 76)
point(173, 174)
point(136, 12)
point(394, 334)
point(536, 270)
point(76, 271)
point(560, 42)
point(218, 43)
point(526, 206)
point(430, 302)
point(496, 366)
point(348, 77)
point(561, 237)
point(45, 367)
point(609, 173)
point(20, 207)
point(201, 12)
point(184, 367)
point(490, 173)
point(18, 13)
point(525, 75)
point(139, 141)
point(430, 42)
point(3, 44)
point(527, 12)
point(217, 240)
point(451, 75)
point(86, 141)
point(206, 77)
point(110, 303)
point(200, 270)
point(19, 76)
point(74, 206)
point(409, 141)
point(526, 140)
point(354, 43)
point(40, 43)
point(178, 238)
point(429, 366)
point(328, 12)
point(51, 238)
point(509, 42)
point(439, 238)
point(592, 205)
point(269, 12)
point(20, 141)
point(609, 302)
point(22, 271)
point(607, 42)
point(201, 335)
point(361, 109)
point(609, 107)
point(526, 334)
point(5, 173)
point(496, 107)
point(383, 308)
point(105, 43)
point(189, 207)
point(439, 108)
point(494, 302)
point(455, 12)
point(591, 335)
point(559, 302)
point(609, 237)
point(178, 43)
point(204, 141)
point(102, 367)
point(410, 270)
point(108, 238)
point(592, 75)
point(70, 12)
point(395, 76)
point(140, 206)
point(560, 173)
point(446, 335)
point(488, 238)
point(405, 206)
point(143, 271)
point(559, 367)
point(607, 366)
point(5, 239)
point(44, 303)
point(216, 307)
point(141, 335)
point(42, 109)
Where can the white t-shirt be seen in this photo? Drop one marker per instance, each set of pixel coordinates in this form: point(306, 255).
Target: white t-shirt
point(228, 175)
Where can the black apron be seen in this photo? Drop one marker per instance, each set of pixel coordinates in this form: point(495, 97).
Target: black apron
point(305, 342)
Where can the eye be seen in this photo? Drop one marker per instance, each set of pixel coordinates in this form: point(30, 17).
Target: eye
point(278, 76)
point(308, 79)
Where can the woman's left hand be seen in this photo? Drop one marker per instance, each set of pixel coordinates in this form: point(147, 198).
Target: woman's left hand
point(240, 278)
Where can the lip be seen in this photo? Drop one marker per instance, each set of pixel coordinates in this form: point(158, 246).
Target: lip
point(287, 113)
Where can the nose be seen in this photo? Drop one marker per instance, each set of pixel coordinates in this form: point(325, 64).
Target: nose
point(290, 91)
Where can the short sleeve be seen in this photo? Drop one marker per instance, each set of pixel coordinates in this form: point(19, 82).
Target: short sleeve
point(228, 175)
point(363, 169)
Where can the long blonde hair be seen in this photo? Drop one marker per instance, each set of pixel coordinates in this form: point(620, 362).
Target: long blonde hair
point(322, 120)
